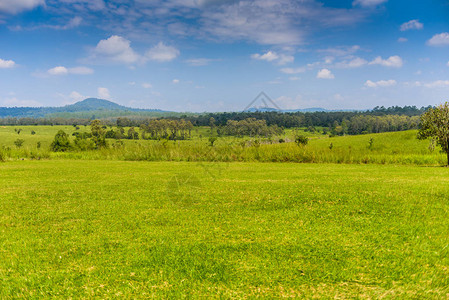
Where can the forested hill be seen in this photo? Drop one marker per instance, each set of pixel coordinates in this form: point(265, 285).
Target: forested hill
point(101, 106)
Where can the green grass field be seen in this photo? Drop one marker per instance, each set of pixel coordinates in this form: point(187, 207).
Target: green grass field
point(386, 148)
point(101, 229)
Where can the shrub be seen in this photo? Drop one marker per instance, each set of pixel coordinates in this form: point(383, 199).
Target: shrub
point(301, 140)
point(61, 142)
point(19, 142)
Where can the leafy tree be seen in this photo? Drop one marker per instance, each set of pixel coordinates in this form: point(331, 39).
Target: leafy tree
point(98, 134)
point(19, 142)
point(435, 124)
point(61, 142)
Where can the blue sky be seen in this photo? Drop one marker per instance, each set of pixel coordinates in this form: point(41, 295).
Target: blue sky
point(217, 55)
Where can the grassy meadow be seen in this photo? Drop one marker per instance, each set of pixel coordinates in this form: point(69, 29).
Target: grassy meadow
point(84, 229)
point(382, 148)
point(360, 217)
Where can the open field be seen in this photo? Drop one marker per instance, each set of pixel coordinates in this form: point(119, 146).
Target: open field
point(387, 148)
point(168, 229)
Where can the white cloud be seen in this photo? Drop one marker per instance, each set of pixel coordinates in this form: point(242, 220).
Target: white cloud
point(271, 56)
point(340, 51)
point(162, 53)
point(402, 40)
point(17, 6)
point(175, 81)
point(367, 3)
point(115, 48)
point(434, 84)
point(380, 83)
point(447, 64)
point(412, 24)
point(293, 70)
point(294, 78)
point(103, 93)
point(75, 96)
point(6, 64)
point(325, 74)
point(441, 39)
point(147, 85)
point(61, 70)
point(353, 63)
point(392, 61)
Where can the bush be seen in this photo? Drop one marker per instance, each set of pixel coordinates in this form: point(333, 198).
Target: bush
point(61, 142)
point(301, 140)
point(19, 142)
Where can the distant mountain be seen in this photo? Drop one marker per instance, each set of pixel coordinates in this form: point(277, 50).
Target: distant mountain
point(91, 104)
point(88, 108)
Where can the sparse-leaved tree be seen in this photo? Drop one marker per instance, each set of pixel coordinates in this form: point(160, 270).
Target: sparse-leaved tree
point(435, 124)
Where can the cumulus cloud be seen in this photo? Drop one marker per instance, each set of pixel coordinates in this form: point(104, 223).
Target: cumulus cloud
point(441, 39)
point(175, 81)
point(147, 85)
point(162, 53)
point(325, 74)
point(392, 61)
point(293, 70)
point(380, 83)
point(103, 93)
point(17, 6)
point(117, 49)
point(61, 70)
point(447, 64)
point(411, 25)
point(6, 64)
point(13, 101)
point(402, 40)
point(368, 3)
point(271, 56)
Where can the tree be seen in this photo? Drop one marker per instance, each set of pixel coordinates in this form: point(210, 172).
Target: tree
point(98, 134)
point(435, 124)
point(61, 142)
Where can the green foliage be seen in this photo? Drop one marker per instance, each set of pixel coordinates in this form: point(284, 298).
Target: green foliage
point(435, 124)
point(212, 140)
point(301, 140)
point(371, 143)
point(167, 129)
point(19, 142)
point(98, 134)
point(61, 142)
point(251, 127)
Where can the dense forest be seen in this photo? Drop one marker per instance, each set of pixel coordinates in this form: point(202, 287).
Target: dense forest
point(379, 119)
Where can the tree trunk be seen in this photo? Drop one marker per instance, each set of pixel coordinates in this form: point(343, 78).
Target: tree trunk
point(447, 159)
